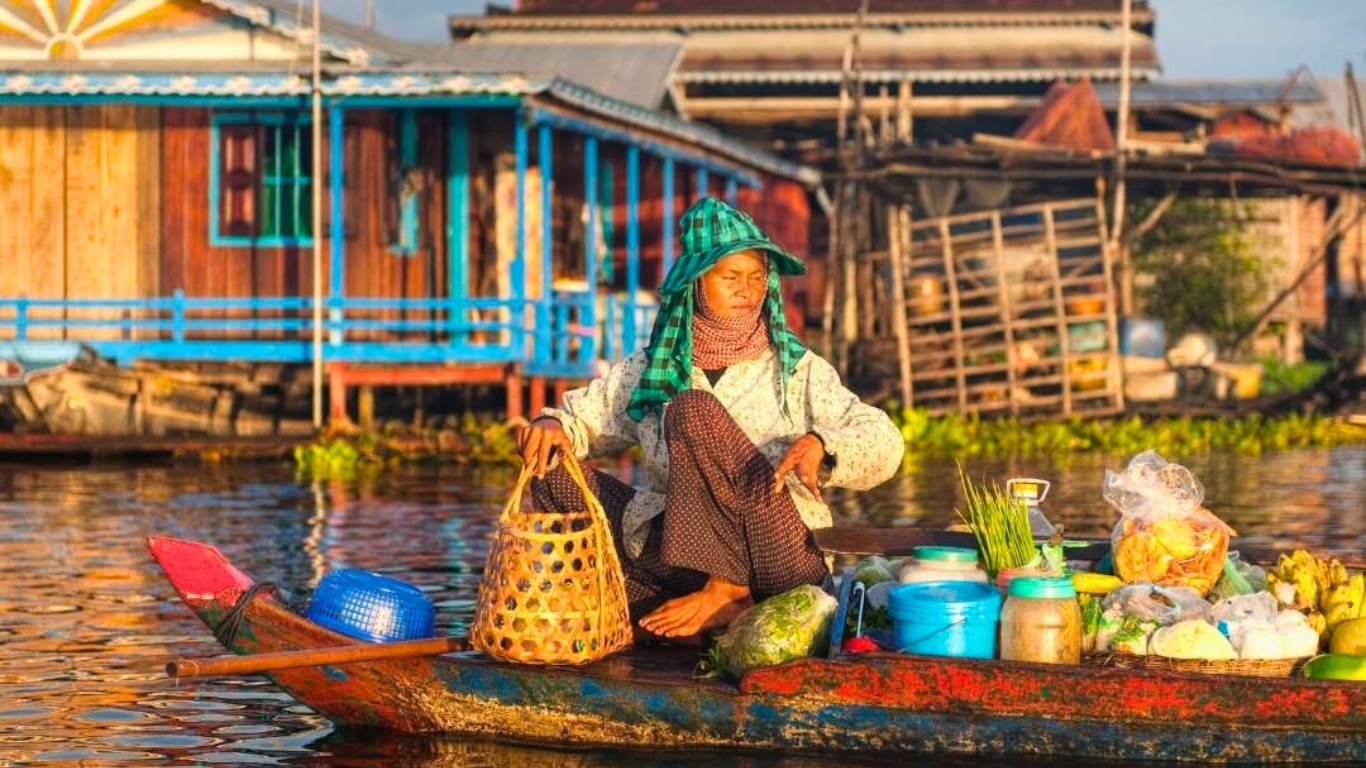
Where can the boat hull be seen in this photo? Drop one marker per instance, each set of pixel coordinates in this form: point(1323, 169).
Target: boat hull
point(878, 703)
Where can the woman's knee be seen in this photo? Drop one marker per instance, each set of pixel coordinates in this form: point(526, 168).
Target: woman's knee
point(692, 407)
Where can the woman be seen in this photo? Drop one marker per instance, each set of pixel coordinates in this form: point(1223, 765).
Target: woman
point(739, 426)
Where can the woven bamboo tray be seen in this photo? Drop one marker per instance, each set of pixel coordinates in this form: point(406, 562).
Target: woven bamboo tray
point(1251, 667)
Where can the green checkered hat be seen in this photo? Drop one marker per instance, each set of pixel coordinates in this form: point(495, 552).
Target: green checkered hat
point(711, 231)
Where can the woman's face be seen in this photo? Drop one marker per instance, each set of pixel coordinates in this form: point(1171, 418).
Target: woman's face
point(736, 285)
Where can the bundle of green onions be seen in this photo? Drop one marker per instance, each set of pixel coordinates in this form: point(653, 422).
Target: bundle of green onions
point(1001, 524)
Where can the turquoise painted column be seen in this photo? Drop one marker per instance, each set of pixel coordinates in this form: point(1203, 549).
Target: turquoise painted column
point(457, 225)
point(669, 207)
point(545, 158)
point(703, 182)
point(628, 326)
point(590, 245)
point(337, 233)
point(517, 337)
point(732, 191)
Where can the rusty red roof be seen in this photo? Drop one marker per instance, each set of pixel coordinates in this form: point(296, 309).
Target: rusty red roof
point(568, 7)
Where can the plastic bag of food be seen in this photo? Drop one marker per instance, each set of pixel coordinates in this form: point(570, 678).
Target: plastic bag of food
point(793, 625)
point(1164, 535)
point(1162, 605)
point(875, 570)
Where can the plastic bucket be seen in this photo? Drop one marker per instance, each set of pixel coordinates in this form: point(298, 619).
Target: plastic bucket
point(945, 618)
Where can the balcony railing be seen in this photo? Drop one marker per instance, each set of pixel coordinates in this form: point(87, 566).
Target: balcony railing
point(559, 337)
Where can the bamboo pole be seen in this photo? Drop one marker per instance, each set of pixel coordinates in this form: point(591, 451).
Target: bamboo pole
point(313, 657)
point(1126, 269)
point(1007, 313)
point(317, 223)
point(895, 232)
point(1060, 310)
point(951, 277)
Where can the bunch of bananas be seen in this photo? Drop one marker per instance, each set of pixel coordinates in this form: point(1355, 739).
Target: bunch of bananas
point(1324, 589)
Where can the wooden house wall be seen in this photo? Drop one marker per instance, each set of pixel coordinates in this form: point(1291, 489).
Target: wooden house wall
point(190, 262)
point(79, 191)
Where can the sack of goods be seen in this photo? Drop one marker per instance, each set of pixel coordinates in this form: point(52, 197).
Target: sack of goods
point(553, 590)
point(1164, 534)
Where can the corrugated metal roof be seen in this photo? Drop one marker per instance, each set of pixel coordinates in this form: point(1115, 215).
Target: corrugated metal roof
point(403, 82)
point(636, 70)
point(1210, 92)
point(698, 133)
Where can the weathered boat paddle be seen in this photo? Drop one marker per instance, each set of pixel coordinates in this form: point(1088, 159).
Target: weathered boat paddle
point(313, 657)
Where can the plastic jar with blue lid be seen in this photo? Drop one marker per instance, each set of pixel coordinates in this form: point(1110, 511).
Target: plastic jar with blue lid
point(942, 564)
point(1041, 621)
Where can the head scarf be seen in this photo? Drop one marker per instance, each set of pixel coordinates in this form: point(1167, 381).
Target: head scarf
point(719, 342)
point(711, 230)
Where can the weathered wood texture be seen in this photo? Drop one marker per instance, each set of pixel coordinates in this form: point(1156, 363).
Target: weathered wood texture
point(373, 268)
point(77, 184)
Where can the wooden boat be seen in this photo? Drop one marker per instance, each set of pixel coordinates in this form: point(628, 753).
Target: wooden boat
point(869, 703)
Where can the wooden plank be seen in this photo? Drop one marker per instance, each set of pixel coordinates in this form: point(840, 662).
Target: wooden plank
point(48, 237)
point(120, 253)
point(1007, 314)
point(148, 212)
point(85, 163)
point(1116, 378)
point(16, 200)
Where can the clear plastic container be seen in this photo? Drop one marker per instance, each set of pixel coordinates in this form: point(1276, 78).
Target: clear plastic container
point(942, 564)
point(1041, 621)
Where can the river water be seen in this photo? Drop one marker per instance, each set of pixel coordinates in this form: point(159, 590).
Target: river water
point(87, 622)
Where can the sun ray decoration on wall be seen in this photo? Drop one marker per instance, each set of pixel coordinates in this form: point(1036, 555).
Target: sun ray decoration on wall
point(62, 29)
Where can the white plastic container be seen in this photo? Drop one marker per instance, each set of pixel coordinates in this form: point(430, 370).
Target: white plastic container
point(942, 564)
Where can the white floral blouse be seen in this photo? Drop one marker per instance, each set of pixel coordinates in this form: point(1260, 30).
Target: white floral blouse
point(865, 445)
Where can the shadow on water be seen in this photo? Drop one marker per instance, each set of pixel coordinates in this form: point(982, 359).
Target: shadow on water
point(87, 622)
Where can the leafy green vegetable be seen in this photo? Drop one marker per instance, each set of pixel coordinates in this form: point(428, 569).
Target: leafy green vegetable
point(793, 625)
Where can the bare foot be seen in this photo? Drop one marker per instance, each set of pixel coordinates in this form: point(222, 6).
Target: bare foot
point(714, 605)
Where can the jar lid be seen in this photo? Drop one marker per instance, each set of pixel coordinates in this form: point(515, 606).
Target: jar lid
point(946, 554)
point(1042, 587)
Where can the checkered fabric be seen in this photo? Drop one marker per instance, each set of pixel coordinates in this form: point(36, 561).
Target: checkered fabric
point(712, 230)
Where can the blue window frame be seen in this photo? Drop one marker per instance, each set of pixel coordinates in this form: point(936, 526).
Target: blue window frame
point(260, 185)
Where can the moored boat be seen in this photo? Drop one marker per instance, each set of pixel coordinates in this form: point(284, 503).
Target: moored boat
point(869, 703)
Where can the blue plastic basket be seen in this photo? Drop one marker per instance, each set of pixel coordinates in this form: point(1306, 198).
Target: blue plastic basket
point(368, 606)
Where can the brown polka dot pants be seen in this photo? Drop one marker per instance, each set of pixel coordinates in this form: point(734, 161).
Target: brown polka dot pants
point(721, 517)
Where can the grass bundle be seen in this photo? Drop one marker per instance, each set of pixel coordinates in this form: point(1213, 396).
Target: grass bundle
point(1001, 524)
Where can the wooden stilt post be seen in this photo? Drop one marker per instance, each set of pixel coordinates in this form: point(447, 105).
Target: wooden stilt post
point(365, 406)
point(536, 396)
point(895, 233)
point(514, 393)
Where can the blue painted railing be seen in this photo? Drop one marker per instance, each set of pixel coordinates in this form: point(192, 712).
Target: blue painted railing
point(560, 338)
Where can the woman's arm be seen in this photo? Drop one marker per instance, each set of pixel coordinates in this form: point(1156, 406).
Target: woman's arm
point(594, 417)
point(862, 440)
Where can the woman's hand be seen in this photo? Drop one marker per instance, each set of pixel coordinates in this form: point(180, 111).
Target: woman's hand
point(803, 457)
point(538, 440)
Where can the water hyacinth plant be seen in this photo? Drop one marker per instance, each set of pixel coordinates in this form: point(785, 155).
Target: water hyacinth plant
point(1000, 522)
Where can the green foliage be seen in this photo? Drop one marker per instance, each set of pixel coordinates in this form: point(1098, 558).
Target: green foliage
point(1283, 378)
point(968, 436)
point(344, 454)
point(1199, 270)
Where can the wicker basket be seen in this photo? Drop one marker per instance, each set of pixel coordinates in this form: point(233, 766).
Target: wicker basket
point(1253, 667)
point(553, 591)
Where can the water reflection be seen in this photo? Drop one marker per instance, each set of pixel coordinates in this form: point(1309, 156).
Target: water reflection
point(86, 621)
